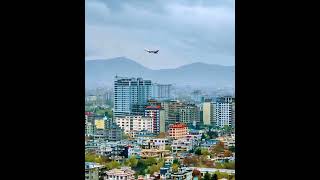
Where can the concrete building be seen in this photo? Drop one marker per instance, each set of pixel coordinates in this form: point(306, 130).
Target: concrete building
point(233, 114)
point(135, 123)
point(91, 99)
point(212, 171)
point(125, 173)
point(158, 143)
point(157, 115)
point(190, 115)
point(93, 171)
point(182, 174)
point(165, 107)
point(100, 123)
point(178, 130)
point(224, 111)
point(155, 153)
point(174, 112)
point(90, 128)
point(182, 145)
point(128, 92)
point(208, 113)
point(161, 91)
point(114, 133)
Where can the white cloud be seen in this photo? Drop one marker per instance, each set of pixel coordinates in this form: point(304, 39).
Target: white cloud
point(185, 32)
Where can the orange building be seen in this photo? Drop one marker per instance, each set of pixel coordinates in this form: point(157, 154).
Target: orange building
point(178, 130)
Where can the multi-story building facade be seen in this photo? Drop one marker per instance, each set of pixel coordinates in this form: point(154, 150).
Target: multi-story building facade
point(208, 112)
point(181, 145)
point(101, 123)
point(178, 130)
point(158, 121)
point(174, 112)
point(90, 128)
point(114, 132)
point(135, 123)
point(161, 91)
point(233, 114)
point(93, 171)
point(129, 92)
point(190, 115)
point(224, 111)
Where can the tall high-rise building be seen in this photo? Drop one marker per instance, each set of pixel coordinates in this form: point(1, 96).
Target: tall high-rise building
point(129, 92)
point(233, 114)
point(155, 113)
point(190, 115)
point(224, 111)
point(161, 91)
point(174, 112)
point(208, 112)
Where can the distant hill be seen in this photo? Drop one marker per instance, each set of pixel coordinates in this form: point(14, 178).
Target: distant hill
point(101, 73)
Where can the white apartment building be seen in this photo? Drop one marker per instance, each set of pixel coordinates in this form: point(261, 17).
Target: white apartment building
point(224, 111)
point(182, 145)
point(129, 92)
point(135, 123)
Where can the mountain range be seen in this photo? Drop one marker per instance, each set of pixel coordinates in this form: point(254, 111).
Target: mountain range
point(100, 73)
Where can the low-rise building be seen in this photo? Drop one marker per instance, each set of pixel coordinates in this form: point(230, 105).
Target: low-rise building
point(155, 153)
point(89, 129)
point(114, 133)
point(125, 173)
point(178, 130)
point(181, 145)
point(228, 141)
point(94, 171)
point(135, 123)
point(212, 171)
point(134, 151)
point(182, 174)
point(159, 143)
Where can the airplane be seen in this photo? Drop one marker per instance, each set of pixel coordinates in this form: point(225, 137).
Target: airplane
point(152, 51)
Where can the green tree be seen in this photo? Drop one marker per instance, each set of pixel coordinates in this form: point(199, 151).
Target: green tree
point(198, 151)
point(152, 169)
point(206, 176)
point(222, 175)
point(112, 165)
point(150, 161)
point(218, 148)
point(125, 136)
point(90, 157)
point(212, 134)
point(176, 161)
point(215, 177)
point(204, 152)
point(133, 162)
point(168, 147)
point(175, 167)
point(232, 149)
point(203, 136)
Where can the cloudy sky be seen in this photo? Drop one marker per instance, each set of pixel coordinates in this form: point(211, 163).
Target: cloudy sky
point(185, 31)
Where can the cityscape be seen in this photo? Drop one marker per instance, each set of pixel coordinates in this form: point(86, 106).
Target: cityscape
point(154, 112)
point(137, 130)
